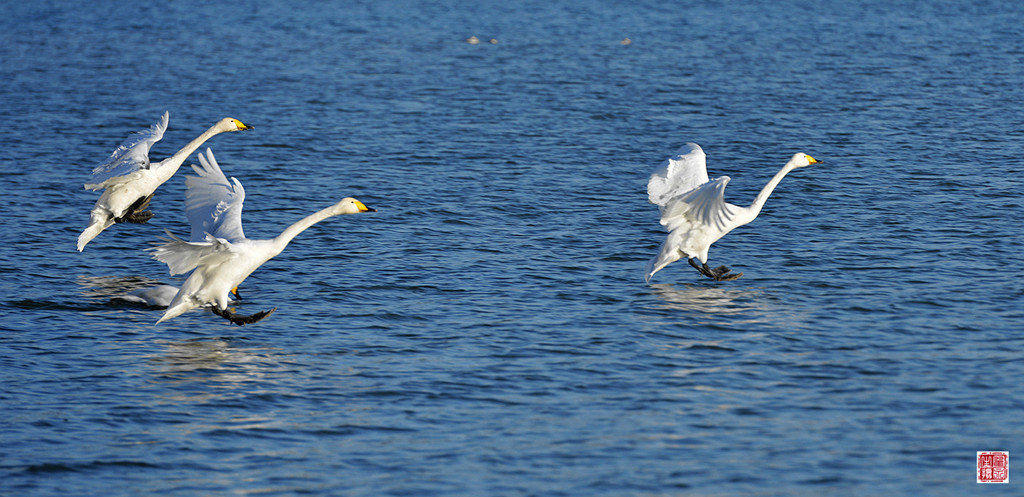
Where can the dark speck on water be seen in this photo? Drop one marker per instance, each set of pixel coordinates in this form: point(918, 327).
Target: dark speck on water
point(488, 330)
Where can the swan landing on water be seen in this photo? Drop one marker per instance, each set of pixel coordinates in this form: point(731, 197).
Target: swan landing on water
point(128, 179)
point(219, 255)
point(694, 211)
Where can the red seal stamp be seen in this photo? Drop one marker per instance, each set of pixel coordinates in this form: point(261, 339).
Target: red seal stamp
point(994, 467)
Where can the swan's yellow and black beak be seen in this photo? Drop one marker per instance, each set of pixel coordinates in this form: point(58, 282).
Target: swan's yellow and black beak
point(242, 126)
point(363, 208)
point(235, 295)
point(812, 160)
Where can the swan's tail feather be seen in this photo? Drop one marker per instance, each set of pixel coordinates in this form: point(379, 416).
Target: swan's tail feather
point(664, 258)
point(176, 310)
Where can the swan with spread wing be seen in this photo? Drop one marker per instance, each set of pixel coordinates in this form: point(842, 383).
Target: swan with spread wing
point(128, 179)
point(694, 210)
point(219, 255)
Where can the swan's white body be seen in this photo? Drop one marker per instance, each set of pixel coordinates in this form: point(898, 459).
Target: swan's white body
point(128, 176)
point(693, 208)
point(219, 255)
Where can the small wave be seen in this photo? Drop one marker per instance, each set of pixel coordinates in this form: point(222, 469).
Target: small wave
point(50, 468)
point(30, 305)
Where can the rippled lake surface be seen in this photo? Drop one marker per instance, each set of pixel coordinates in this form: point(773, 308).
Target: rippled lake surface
point(488, 330)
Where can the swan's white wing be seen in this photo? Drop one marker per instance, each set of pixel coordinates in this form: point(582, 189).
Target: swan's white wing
point(213, 204)
point(679, 174)
point(130, 156)
point(182, 257)
point(694, 220)
point(703, 207)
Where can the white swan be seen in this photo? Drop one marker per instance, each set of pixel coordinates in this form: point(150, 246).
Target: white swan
point(129, 179)
point(694, 211)
point(219, 255)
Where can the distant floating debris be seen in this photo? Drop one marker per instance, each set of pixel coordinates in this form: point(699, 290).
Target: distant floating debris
point(626, 41)
point(494, 41)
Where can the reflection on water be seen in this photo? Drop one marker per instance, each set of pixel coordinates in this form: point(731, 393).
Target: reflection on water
point(720, 305)
point(219, 382)
point(216, 359)
point(108, 287)
point(192, 355)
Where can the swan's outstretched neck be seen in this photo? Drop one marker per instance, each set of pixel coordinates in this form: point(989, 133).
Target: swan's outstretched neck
point(175, 161)
point(762, 197)
point(286, 236)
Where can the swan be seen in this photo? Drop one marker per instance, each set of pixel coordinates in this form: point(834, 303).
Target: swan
point(128, 179)
point(160, 295)
point(694, 211)
point(219, 255)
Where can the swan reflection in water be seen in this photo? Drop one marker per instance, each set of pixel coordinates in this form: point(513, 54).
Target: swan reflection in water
point(195, 374)
point(126, 289)
point(133, 290)
point(730, 306)
point(229, 359)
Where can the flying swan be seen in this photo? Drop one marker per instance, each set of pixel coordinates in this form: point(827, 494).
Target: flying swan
point(694, 211)
point(128, 179)
point(219, 255)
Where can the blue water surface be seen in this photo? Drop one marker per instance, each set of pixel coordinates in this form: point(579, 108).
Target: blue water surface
point(488, 330)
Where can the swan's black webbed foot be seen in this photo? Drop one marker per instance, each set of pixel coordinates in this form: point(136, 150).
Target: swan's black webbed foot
point(137, 213)
point(704, 269)
point(728, 277)
point(138, 217)
point(239, 319)
point(720, 273)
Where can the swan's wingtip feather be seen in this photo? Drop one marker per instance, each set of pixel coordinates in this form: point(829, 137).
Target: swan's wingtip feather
point(162, 125)
point(649, 270)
